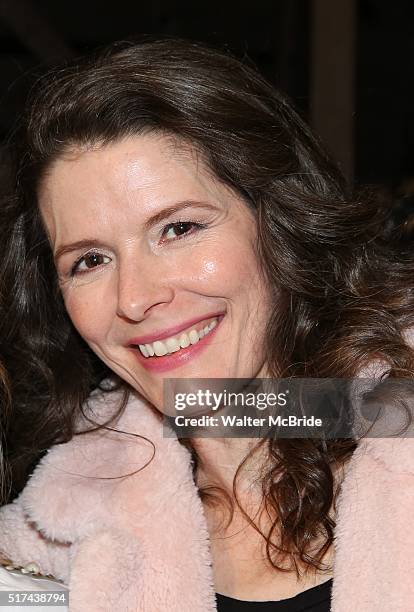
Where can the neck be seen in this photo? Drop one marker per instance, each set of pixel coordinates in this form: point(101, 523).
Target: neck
point(219, 459)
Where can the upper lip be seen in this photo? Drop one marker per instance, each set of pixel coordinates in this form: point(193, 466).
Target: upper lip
point(170, 331)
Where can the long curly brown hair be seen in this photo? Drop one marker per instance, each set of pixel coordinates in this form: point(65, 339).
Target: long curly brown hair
point(343, 291)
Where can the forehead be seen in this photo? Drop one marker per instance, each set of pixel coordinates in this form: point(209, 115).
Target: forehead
point(133, 162)
point(151, 168)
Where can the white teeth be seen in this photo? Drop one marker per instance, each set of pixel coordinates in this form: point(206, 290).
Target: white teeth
point(150, 349)
point(194, 337)
point(144, 350)
point(184, 341)
point(160, 348)
point(172, 345)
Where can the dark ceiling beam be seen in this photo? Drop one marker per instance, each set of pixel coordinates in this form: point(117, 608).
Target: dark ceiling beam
point(34, 30)
point(333, 78)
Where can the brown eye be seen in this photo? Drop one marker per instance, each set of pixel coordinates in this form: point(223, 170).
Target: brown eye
point(92, 260)
point(181, 228)
point(89, 262)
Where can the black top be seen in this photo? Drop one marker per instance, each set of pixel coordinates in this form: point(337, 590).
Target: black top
point(316, 599)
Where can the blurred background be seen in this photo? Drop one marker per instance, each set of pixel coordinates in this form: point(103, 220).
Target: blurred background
point(347, 65)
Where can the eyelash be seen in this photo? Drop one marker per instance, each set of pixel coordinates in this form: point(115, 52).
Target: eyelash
point(199, 226)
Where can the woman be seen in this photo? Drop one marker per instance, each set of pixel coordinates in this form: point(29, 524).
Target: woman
point(174, 217)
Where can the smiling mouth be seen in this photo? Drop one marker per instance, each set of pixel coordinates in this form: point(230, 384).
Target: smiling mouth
point(180, 341)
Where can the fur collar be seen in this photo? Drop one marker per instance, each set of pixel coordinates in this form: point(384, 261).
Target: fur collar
point(140, 543)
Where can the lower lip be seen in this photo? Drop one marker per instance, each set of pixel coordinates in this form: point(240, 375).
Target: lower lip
point(179, 358)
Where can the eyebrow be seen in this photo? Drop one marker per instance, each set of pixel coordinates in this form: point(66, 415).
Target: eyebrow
point(149, 223)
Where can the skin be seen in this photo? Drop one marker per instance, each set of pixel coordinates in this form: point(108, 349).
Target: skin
point(146, 279)
point(150, 279)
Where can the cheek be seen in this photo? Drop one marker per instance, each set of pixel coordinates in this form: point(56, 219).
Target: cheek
point(232, 271)
point(89, 314)
point(228, 270)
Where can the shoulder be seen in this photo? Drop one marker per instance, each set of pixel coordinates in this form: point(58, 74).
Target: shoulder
point(94, 474)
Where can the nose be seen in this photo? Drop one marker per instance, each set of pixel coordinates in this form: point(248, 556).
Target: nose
point(142, 283)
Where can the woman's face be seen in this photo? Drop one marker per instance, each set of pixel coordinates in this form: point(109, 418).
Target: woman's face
point(155, 255)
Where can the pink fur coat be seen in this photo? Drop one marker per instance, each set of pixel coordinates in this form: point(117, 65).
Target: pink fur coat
point(140, 543)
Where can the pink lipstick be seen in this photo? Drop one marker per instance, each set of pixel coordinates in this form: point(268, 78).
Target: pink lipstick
point(178, 358)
